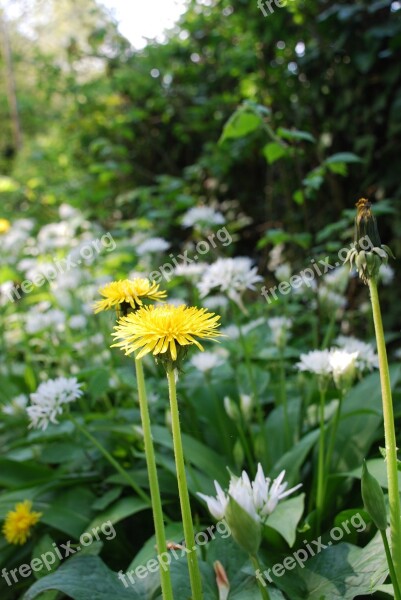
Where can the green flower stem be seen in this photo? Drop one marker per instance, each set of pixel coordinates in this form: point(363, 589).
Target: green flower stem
point(333, 433)
point(321, 480)
point(157, 508)
point(245, 445)
point(329, 330)
point(193, 566)
point(262, 587)
point(389, 433)
point(111, 460)
point(397, 593)
point(283, 402)
point(220, 417)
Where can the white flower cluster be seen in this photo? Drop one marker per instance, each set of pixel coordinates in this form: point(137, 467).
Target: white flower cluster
point(337, 363)
point(258, 498)
point(367, 358)
point(48, 400)
point(279, 327)
point(229, 275)
point(202, 215)
point(206, 361)
point(152, 245)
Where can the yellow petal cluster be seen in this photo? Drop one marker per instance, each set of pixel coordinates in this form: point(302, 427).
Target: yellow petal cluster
point(164, 329)
point(4, 225)
point(19, 522)
point(129, 292)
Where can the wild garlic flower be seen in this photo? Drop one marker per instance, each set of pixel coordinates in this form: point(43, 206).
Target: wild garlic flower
point(335, 363)
point(258, 498)
point(283, 272)
point(231, 276)
point(152, 245)
point(386, 274)
point(48, 400)
point(343, 367)
point(16, 406)
point(206, 361)
point(279, 327)
point(315, 361)
point(367, 359)
point(201, 216)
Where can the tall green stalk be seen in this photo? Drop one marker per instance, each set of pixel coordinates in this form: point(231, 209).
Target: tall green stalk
point(193, 566)
point(110, 459)
point(157, 509)
point(389, 433)
point(262, 588)
point(321, 479)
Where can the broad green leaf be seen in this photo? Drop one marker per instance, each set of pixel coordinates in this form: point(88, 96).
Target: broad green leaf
point(295, 134)
point(15, 474)
point(286, 516)
point(274, 151)
point(240, 124)
point(342, 157)
point(119, 511)
point(85, 578)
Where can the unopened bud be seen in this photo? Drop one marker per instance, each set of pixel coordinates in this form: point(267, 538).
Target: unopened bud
point(222, 580)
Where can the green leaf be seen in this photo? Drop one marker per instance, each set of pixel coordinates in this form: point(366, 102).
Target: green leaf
point(342, 157)
point(119, 511)
point(286, 516)
point(274, 151)
point(295, 134)
point(338, 572)
point(85, 578)
point(241, 123)
point(45, 545)
point(373, 499)
point(298, 197)
point(16, 475)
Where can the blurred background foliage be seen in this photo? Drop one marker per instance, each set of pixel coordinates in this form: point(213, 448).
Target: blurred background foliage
point(311, 94)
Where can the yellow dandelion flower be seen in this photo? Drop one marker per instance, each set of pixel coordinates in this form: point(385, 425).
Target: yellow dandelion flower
point(125, 292)
point(18, 523)
point(165, 329)
point(4, 225)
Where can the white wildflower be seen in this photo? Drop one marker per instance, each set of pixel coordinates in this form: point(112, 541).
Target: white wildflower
point(315, 361)
point(280, 327)
point(230, 275)
point(258, 498)
point(48, 400)
point(16, 406)
point(367, 358)
point(343, 367)
point(152, 245)
point(206, 361)
point(201, 216)
point(386, 274)
point(283, 272)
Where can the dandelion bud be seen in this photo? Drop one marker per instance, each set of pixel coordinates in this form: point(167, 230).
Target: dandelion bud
point(368, 253)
